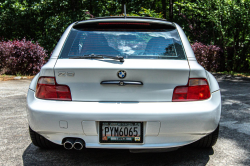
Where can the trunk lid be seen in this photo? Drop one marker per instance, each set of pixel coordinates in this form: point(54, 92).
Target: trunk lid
point(84, 77)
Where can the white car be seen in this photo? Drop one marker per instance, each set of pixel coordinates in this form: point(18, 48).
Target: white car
point(123, 83)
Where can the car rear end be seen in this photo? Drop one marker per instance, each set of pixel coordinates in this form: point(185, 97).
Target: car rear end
point(157, 97)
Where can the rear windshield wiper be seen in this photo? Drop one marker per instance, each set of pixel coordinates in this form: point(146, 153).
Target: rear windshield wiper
point(98, 56)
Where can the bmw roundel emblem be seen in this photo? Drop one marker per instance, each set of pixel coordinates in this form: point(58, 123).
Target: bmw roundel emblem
point(121, 74)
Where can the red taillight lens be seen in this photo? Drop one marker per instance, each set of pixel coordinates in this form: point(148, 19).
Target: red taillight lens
point(123, 23)
point(47, 88)
point(197, 89)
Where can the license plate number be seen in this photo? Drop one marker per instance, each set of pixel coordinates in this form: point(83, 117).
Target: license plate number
point(121, 132)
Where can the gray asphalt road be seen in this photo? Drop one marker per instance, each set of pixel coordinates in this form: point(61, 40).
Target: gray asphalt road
point(232, 148)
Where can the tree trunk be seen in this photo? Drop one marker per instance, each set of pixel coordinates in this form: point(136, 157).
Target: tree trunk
point(73, 5)
point(179, 7)
point(123, 3)
point(153, 5)
point(245, 49)
point(171, 10)
point(164, 9)
point(90, 6)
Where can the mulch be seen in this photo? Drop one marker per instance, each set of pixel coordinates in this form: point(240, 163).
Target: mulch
point(10, 77)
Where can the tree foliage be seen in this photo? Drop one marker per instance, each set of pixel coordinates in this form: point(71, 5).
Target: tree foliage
point(224, 23)
point(40, 20)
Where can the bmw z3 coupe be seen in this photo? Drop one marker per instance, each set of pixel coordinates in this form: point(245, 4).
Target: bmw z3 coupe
point(123, 83)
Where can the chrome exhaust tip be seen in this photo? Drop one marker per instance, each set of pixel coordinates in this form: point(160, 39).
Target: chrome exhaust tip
point(79, 144)
point(69, 143)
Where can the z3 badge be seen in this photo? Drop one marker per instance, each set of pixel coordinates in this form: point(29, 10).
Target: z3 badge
point(63, 74)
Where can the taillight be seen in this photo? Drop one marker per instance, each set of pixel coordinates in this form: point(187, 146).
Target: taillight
point(197, 89)
point(47, 88)
point(123, 23)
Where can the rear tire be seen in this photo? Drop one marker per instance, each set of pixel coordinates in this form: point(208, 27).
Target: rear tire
point(207, 141)
point(40, 141)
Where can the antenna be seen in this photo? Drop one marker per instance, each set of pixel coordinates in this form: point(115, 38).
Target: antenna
point(125, 15)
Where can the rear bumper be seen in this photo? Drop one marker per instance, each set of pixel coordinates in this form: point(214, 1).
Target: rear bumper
point(165, 124)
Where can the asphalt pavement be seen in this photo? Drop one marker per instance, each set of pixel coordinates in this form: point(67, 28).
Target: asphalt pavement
point(232, 148)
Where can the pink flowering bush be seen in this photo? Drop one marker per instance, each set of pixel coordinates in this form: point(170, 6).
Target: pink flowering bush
point(21, 57)
point(208, 56)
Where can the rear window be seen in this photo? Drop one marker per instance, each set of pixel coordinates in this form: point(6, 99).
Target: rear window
point(129, 43)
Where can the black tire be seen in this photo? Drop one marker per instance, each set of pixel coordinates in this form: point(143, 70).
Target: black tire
point(207, 141)
point(40, 141)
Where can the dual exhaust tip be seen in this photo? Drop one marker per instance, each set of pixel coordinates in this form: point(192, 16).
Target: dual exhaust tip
point(75, 143)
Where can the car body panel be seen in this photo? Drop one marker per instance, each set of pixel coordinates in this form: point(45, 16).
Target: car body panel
point(186, 45)
point(196, 70)
point(61, 42)
point(128, 19)
point(159, 78)
point(48, 68)
point(213, 84)
point(34, 82)
point(180, 122)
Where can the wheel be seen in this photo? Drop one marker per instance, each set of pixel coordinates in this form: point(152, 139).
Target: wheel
point(40, 141)
point(207, 141)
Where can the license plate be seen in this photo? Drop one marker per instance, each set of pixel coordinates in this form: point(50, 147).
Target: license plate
point(121, 132)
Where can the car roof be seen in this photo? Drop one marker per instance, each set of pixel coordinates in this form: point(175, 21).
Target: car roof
point(123, 17)
point(126, 19)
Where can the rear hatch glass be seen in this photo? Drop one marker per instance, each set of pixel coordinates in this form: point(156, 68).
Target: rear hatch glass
point(129, 43)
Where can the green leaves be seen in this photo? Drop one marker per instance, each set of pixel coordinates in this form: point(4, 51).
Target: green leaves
point(223, 23)
point(40, 20)
point(149, 13)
